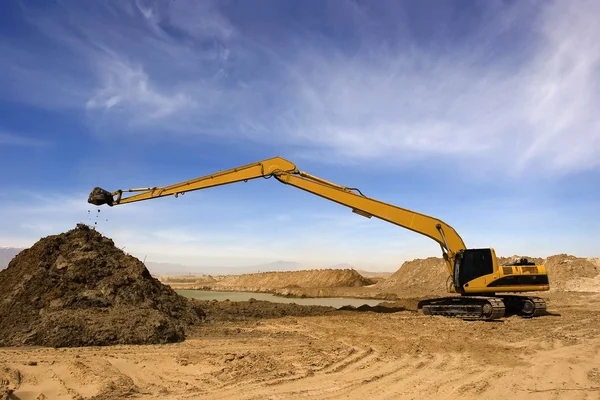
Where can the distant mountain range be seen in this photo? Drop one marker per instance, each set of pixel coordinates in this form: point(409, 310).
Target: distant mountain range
point(7, 254)
point(157, 268)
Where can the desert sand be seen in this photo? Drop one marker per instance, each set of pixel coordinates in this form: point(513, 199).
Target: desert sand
point(336, 355)
point(262, 350)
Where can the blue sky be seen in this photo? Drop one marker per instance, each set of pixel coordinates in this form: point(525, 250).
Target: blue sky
point(482, 113)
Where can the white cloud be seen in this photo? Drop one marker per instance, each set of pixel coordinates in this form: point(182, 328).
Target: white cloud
point(27, 201)
point(541, 115)
point(27, 214)
point(200, 19)
point(562, 89)
point(126, 87)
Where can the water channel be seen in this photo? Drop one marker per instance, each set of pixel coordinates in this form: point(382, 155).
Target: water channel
point(245, 296)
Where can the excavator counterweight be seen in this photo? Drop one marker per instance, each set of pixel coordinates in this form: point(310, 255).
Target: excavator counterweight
point(474, 274)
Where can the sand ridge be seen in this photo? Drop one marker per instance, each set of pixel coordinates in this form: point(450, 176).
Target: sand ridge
point(319, 278)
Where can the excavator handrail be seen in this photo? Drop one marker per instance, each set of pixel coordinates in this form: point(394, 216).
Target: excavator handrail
point(286, 172)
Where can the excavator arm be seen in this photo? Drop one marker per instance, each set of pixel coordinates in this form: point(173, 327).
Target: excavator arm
point(286, 172)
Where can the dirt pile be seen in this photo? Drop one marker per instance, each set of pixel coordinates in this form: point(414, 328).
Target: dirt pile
point(78, 289)
point(573, 274)
point(205, 280)
point(315, 278)
point(511, 259)
point(427, 277)
point(417, 278)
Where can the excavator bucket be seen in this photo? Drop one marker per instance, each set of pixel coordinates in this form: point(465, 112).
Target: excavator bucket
point(99, 197)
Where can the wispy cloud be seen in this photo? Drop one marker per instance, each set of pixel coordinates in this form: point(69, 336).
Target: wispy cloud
point(561, 90)
point(191, 68)
point(540, 113)
point(26, 214)
point(127, 88)
point(13, 139)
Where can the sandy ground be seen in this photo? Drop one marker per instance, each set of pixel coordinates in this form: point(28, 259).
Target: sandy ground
point(339, 355)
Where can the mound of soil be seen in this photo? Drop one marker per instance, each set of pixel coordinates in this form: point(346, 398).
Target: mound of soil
point(78, 289)
point(205, 280)
point(507, 260)
point(570, 273)
point(319, 278)
point(418, 277)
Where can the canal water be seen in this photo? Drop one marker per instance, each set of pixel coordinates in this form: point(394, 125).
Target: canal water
point(244, 296)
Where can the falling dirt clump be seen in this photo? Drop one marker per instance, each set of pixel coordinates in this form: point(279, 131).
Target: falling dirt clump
point(78, 289)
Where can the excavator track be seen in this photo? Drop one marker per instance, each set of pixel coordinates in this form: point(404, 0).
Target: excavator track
point(524, 306)
point(466, 307)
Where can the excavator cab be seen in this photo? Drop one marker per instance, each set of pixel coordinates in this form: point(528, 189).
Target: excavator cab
point(471, 264)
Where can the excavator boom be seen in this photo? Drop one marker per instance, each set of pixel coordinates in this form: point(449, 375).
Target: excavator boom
point(286, 172)
point(474, 273)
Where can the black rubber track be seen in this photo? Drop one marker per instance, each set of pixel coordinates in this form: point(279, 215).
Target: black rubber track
point(466, 307)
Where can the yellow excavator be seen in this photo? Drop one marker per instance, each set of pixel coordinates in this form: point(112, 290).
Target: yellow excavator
point(481, 285)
